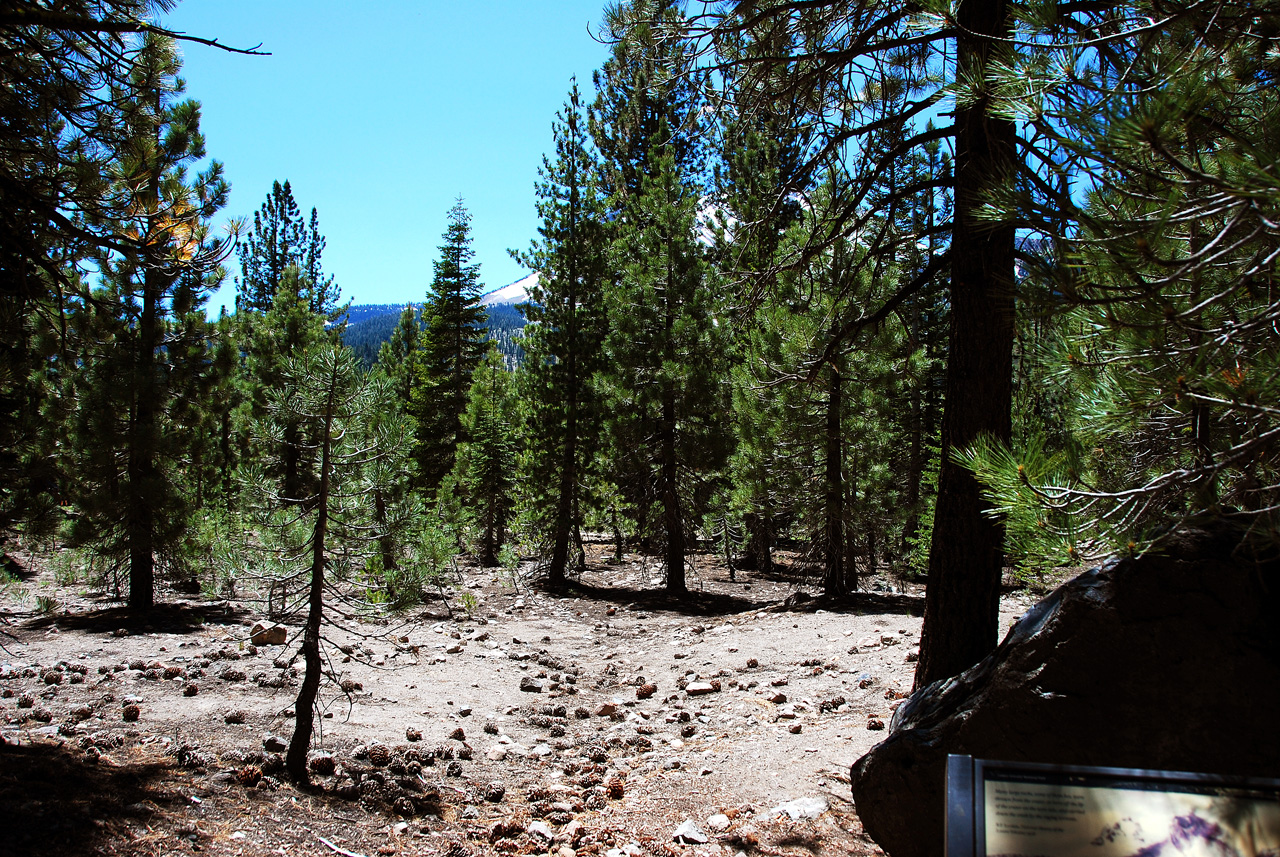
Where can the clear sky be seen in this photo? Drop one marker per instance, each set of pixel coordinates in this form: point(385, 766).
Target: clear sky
point(380, 115)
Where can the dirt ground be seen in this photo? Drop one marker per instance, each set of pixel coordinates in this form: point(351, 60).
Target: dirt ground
point(592, 722)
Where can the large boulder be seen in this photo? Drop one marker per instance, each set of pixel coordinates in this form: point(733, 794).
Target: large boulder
point(1169, 661)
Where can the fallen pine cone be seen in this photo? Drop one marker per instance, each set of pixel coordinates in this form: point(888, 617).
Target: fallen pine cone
point(323, 765)
point(645, 691)
point(412, 734)
point(130, 713)
point(615, 788)
point(249, 776)
point(875, 725)
point(380, 755)
point(190, 689)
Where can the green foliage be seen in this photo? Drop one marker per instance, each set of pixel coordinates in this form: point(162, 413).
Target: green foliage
point(450, 346)
point(279, 240)
point(485, 467)
point(564, 342)
point(141, 336)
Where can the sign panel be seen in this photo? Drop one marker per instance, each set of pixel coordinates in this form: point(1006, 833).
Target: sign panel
point(1023, 810)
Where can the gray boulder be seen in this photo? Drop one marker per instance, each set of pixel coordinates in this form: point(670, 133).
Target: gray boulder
point(1167, 662)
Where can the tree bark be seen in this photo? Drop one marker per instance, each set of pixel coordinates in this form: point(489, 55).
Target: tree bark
point(833, 583)
point(966, 552)
point(304, 706)
point(673, 520)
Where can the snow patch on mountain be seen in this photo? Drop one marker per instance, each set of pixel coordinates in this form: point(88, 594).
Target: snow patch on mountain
point(516, 293)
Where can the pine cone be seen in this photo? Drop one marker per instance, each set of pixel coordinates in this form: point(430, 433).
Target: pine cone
point(249, 776)
point(130, 713)
point(615, 788)
point(380, 755)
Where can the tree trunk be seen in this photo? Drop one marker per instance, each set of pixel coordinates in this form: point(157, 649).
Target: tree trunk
point(833, 582)
point(142, 451)
point(966, 553)
point(672, 519)
point(304, 706)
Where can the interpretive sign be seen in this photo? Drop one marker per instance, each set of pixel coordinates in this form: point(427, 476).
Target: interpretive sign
point(1016, 809)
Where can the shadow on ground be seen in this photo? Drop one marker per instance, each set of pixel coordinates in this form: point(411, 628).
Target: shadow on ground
point(54, 804)
point(178, 618)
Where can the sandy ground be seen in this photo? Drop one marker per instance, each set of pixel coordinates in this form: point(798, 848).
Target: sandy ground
point(593, 722)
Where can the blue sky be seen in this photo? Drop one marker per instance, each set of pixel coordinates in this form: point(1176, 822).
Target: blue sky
point(381, 115)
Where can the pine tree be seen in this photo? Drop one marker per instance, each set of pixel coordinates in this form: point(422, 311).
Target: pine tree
point(487, 461)
point(450, 347)
point(281, 239)
point(143, 338)
point(563, 344)
point(665, 373)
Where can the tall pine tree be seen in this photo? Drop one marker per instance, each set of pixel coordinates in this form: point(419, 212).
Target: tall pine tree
point(563, 344)
point(143, 331)
point(450, 347)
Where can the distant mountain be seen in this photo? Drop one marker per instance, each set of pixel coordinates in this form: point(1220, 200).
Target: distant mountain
point(516, 293)
point(370, 325)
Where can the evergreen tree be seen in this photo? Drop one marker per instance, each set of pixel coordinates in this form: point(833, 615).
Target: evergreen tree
point(450, 347)
point(487, 461)
point(564, 342)
point(281, 239)
point(143, 332)
point(665, 373)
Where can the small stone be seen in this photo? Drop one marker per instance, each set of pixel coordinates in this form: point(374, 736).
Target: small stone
point(274, 744)
point(778, 698)
point(263, 634)
point(540, 830)
point(700, 688)
point(412, 734)
point(689, 834)
point(794, 728)
point(529, 684)
point(718, 822)
point(875, 724)
point(496, 753)
point(190, 689)
point(606, 709)
point(645, 691)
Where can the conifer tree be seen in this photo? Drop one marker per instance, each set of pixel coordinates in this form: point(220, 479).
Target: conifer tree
point(142, 332)
point(487, 461)
point(281, 239)
point(665, 373)
point(450, 347)
point(563, 344)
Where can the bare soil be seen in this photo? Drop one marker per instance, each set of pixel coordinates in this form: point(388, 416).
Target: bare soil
point(759, 694)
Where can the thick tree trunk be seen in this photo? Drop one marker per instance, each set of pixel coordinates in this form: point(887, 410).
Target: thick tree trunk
point(966, 552)
point(833, 582)
point(140, 511)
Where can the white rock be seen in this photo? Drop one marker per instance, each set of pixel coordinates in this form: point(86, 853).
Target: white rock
point(805, 807)
point(689, 834)
point(718, 822)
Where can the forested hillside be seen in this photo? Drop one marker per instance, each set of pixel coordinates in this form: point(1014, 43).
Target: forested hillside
point(943, 292)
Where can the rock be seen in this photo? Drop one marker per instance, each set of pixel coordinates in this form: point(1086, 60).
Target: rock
point(689, 834)
point(699, 688)
point(645, 691)
point(802, 808)
point(263, 634)
point(718, 822)
point(412, 735)
point(540, 830)
point(496, 753)
point(795, 728)
point(274, 744)
point(778, 698)
point(606, 709)
point(529, 684)
point(1091, 675)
